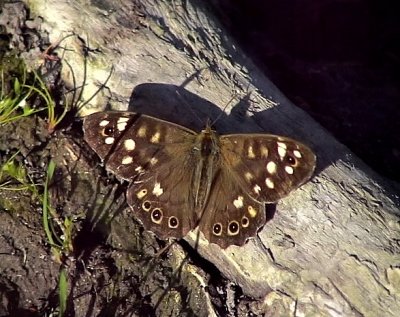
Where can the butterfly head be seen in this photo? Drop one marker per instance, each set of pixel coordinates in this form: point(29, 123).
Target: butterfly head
point(208, 130)
point(207, 141)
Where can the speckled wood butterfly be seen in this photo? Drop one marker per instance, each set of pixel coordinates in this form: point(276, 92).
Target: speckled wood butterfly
point(180, 179)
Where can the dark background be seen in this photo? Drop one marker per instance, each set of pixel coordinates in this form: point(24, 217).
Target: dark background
point(339, 60)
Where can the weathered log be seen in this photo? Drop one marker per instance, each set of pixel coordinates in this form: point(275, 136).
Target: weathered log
point(332, 247)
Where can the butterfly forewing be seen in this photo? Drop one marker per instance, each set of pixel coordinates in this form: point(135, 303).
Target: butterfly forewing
point(267, 167)
point(131, 143)
point(153, 156)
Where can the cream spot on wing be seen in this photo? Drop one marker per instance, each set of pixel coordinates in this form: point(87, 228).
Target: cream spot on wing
point(271, 167)
point(282, 145)
point(121, 126)
point(121, 123)
point(153, 161)
point(281, 149)
point(127, 160)
point(122, 120)
point(248, 176)
point(155, 138)
point(264, 151)
point(139, 169)
point(109, 140)
point(157, 190)
point(289, 170)
point(142, 131)
point(141, 193)
point(257, 189)
point(238, 202)
point(297, 153)
point(104, 123)
point(252, 211)
point(250, 152)
point(270, 184)
point(129, 144)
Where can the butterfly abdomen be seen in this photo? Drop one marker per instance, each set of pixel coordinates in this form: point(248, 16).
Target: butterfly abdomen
point(206, 159)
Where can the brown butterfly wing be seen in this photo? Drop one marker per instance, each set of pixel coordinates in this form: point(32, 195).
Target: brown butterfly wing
point(154, 156)
point(255, 169)
point(231, 216)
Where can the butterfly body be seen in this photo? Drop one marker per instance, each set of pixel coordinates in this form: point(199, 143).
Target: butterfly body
point(180, 179)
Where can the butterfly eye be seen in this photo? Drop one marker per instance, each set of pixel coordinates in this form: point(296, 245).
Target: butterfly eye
point(291, 160)
point(156, 215)
point(233, 228)
point(173, 222)
point(146, 205)
point(217, 229)
point(245, 222)
point(108, 131)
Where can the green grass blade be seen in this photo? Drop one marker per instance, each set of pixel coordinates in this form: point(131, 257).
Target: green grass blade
point(63, 292)
point(49, 176)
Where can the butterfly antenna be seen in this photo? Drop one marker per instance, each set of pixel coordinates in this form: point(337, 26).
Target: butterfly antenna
point(189, 107)
point(223, 110)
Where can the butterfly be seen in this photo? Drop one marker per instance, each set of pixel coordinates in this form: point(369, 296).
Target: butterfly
point(180, 179)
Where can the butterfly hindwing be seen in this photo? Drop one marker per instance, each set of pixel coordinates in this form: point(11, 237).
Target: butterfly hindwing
point(160, 199)
point(231, 216)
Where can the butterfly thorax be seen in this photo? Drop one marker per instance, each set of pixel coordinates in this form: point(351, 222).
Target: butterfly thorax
point(206, 155)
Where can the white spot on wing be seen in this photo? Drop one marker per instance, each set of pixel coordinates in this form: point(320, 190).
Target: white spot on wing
point(157, 190)
point(104, 123)
point(122, 120)
point(109, 140)
point(153, 161)
point(121, 123)
point(127, 160)
point(281, 149)
point(129, 144)
point(270, 184)
point(139, 169)
point(264, 151)
point(142, 131)
point(271, 167)
point(257, 189)
point(297, 153)
point(250, 152)
point(238, 202)
point(121, 126)
point(289, 169)
point(248, 176)
point(155, 138)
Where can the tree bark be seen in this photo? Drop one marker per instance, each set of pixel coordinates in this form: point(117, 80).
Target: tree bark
point(332, 247)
